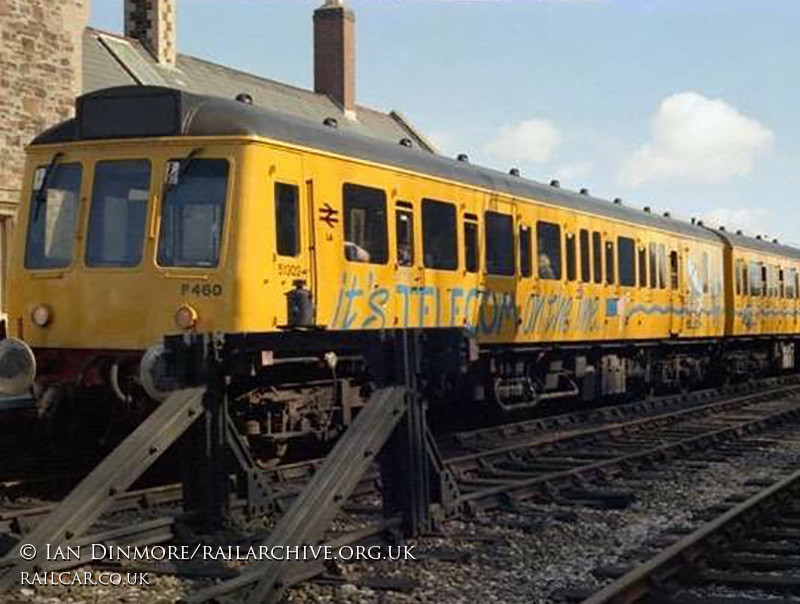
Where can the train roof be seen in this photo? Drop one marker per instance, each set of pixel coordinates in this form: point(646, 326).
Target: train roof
point(159, 111)
point(759, 245)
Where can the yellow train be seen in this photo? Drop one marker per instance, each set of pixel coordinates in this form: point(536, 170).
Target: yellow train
point(157, 212)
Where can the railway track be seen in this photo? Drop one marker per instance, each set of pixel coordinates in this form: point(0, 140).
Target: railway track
point(748, 554)
point(563, 459)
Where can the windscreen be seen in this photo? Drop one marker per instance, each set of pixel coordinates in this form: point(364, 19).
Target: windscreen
point(192, 212)
point(118, 214)
point(55, 201)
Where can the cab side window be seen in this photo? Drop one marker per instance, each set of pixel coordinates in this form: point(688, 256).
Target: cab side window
point(287, 220)
point(365, 224)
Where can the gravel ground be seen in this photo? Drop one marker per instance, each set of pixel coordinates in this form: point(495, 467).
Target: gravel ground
point(553, 548)
point(528, 555)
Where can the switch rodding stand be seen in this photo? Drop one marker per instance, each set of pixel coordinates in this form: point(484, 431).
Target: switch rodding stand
point(391, 427)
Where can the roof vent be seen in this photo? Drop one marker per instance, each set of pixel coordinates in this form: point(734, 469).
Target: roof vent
point(699, 223)
point(694, 220)
point(618, 201)
point(758, 237)
point(722, 227)
point(555, 183)
point(647, 209)
point(666, 214)
point(514, 171)
point(774, 241)
point(245, 98)
point(739, 232)
point(462, 157)
point(406, 142)
point(331, 122)
point(584, 191)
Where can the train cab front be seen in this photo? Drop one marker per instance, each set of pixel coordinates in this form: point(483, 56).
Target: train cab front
point(117, 245)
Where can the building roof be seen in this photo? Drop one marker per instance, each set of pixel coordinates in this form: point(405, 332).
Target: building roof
point(110, 60)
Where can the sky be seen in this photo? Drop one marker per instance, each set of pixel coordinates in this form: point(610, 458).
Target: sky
point(687, 106)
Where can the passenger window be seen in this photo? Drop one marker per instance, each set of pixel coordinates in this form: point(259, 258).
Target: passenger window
point(745, 281)
point(705, 272)
point(404, 220)
point(627, 261)
point(525, 262)
point(471, 246)
point(192, 212)
point(764, 283)
point(570, 245)
point(499, 243)
point(796, 284)
point(548, 248)
point(586, 266)
point(610, 262)
point(439, 245)
point(755, 279)
point(781, 289)
point(642, 267)
point(662, 266)
point(738, 277)
point(54, 216)
point(597, 257)
point(674, 267)
point(118, 214)
point(287, 219)
point(653, 266)
point(365, 224)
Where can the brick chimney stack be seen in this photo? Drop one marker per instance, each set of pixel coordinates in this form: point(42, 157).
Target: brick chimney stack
point(152, 22)
point(334, 54)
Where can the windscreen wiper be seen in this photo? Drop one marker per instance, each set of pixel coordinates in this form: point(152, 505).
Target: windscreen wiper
point(184, 165)
point(40, 194)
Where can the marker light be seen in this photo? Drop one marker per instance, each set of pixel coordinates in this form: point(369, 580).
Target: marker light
point(41, 315)
point(186, 317)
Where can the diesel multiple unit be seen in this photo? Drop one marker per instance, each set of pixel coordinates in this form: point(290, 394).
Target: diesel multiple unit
point(157, 212)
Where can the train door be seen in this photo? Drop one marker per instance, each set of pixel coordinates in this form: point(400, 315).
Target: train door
point(678, 298)
point(409, 274)
point(292, 216)
point(499, 282)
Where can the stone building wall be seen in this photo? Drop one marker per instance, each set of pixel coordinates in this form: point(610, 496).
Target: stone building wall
point(40, 76)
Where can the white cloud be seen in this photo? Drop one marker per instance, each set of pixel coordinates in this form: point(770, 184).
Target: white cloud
point(697, 139)
point(749, 220)
point(530, 141)
point(575, 171)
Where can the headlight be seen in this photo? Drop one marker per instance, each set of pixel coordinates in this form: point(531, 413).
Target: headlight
point(17, 366)
point(186, 317)
point(41, 315)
